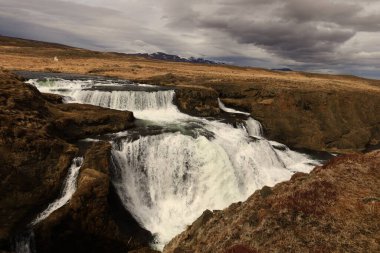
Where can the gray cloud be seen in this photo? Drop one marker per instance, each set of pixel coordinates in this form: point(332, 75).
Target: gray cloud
point(302, 30)
point(325, 35)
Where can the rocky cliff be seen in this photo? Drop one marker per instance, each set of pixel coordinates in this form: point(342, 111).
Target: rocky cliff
point(37, 133)
point(197, 100)
point(94, 220)
point(336, 120)
point(335, 208)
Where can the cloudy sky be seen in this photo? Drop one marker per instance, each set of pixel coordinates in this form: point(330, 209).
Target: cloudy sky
point(333, 36)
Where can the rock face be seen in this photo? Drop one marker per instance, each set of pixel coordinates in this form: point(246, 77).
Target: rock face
point(197, 100)
point(336, 208)
point(340, 121)
point(94, 219)
point(34, 149)
point(77, 121)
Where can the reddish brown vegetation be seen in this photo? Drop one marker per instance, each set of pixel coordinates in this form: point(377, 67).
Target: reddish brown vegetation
point(333, 209)
point(240, 249)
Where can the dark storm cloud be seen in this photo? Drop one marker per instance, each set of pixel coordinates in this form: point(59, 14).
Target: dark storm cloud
point(344, 14)
point(302, 30)
point(303, 42)
point(324, 35)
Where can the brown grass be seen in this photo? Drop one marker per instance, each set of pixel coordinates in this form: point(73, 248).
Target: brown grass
point(336, 208)
point(38, 56)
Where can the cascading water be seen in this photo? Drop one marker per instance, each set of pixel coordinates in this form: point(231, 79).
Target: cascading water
point(230, 110)
point(24, 242)
point(69, 188)
point(167, 180)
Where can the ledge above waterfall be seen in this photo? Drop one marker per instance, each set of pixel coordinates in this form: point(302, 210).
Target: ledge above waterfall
point(197, 100)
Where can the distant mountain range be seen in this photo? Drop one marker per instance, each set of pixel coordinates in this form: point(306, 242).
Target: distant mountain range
point(176, 58)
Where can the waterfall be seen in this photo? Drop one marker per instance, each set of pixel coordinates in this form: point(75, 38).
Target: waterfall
point(230, 110)
point(23, 242)
point(253, 127)
point(126, 100)
point(165, 186)
point(166, 180)
point(146, 104)
point(69, 188)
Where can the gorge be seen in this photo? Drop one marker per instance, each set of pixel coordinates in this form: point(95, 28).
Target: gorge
point(173, 166)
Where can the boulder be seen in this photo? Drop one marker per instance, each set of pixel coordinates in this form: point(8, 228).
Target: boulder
point(197, 100)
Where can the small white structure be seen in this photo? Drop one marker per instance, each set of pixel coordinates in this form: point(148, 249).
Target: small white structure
point(55, 58)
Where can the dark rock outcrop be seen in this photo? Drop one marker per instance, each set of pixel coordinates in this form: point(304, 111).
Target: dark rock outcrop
point(34, 149)
point(77, 121)
point(335, 208)
point(94, 220)
point(197, 100)
point(240, 249)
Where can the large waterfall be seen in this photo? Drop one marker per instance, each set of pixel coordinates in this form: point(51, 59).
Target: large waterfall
point(166, 180)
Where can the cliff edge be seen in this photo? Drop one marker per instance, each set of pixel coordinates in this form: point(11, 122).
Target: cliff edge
point(335, 208)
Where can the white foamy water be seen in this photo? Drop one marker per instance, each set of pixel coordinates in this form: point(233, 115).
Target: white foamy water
point(69, 188)
point(24, 242)
point(230, 110)
point(167, 180)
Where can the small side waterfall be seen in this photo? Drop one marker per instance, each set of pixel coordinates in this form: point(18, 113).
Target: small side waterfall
point(24, 241)
point(69, 188)
point(253, 127)
point(230, 110)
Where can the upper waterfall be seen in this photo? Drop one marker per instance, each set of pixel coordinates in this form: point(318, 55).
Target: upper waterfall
point(144, 103)
point(126, 100)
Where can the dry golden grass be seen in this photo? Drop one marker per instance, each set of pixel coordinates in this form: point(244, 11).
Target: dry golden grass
point(38, 56)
